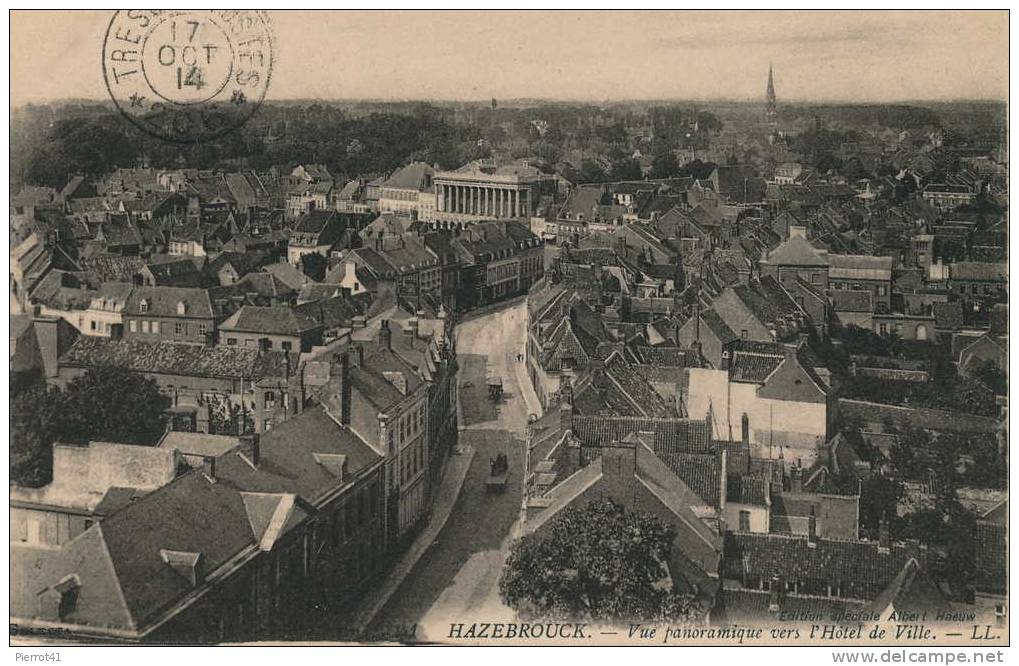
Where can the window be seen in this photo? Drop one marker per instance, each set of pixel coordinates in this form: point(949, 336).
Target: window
point(286, 345)
point(143, 307)
point(202, 328)
point(814, 278)
point(268, 424)
point(881, 290)
point(182, 308)
point(179, 328)
point(132, 326)
point(270, 399)
point(155, 327)
point(744, 521)
point(93, 325)
point(249, 343)
point(145, 327)
point(882, 329)
point(231, 342)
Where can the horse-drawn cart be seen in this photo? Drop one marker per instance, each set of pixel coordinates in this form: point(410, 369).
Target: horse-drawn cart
point(498, 474)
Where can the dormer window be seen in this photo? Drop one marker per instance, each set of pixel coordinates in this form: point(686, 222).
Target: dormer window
point(143, 307)
point(182, 308)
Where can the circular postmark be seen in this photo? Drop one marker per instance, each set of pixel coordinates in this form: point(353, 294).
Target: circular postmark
point(188, 75)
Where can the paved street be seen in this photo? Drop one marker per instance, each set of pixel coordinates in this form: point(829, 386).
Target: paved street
point(457, 578)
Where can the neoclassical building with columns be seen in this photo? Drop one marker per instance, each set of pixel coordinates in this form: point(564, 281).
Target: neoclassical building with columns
point(478, 192)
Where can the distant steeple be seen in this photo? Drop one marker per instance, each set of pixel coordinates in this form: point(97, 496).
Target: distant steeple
point(770, 95)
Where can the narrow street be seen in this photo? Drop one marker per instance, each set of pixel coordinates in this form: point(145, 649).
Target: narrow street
point(457, 579)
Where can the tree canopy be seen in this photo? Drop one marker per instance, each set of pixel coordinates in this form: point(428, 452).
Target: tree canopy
point(106, 403)
point(597, 562)
point(314, 266)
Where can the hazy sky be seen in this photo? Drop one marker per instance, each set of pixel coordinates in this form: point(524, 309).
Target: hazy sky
point(824, 56)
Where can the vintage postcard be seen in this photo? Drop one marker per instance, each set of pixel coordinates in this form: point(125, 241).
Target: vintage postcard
point(509, 328)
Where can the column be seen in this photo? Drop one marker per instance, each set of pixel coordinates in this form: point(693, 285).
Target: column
point(445, 198)
point(516, 203)
point(460, 199)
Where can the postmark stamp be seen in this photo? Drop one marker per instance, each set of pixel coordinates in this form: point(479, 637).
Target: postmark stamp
point(188, 75)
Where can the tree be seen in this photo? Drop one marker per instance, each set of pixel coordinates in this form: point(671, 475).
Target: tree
point(664, 166)
point(879, 497)
point(992, 377)
point(626, 169)
point(34, 412)
point(591, 172)
point(314, 266)
point(597, 562)
point(697, 169)
point(112, 403)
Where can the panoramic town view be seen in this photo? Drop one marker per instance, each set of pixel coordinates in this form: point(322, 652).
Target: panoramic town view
point(509, 370)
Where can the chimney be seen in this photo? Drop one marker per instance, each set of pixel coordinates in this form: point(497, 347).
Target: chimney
point(796, 479)
point(252, 448)
point(566, 415)
point(812, 529)
point(209, 468)
point(340, 401)
point(884, 538)
point(385, 335)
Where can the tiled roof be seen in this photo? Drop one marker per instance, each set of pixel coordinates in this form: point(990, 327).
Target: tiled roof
point(755, 363)
point(752, 606)
point(747, 489)
point(414, 176)
point(797, 251)
point(858, 566)
point(671, 357)
point(315, 221)
point(163, 302)
point(767, 300)
point(852, 300)
point(718, 326)
point(670, 435)
point(859, 267)
point(165, 357)
point(277, 320)
point(287, 274)
point(991, 560)
point(332, 312)
point(979, 270)
point(702, 472)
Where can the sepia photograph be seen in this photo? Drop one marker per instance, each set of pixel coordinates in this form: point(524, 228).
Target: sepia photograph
point(674, 328)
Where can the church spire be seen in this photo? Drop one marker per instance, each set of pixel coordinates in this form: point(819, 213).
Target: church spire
point(770, 95)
